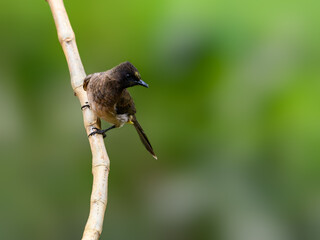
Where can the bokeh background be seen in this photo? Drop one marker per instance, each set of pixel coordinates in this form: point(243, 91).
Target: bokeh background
point(233, 113)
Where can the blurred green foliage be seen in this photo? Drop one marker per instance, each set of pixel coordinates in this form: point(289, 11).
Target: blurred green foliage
point(232, 112)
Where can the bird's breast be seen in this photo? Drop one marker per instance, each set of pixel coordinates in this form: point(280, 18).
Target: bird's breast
point(103, 111)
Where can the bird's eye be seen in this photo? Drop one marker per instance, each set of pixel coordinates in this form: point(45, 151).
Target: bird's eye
point(128, 75)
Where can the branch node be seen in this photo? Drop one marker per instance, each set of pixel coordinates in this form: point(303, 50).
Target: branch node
point(102, 165)
point(66, 39)
point(99, 200)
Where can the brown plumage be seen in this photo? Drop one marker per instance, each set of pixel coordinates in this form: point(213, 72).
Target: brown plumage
point(110, 100)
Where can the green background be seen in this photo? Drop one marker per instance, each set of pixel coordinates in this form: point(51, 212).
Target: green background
point(233, 113)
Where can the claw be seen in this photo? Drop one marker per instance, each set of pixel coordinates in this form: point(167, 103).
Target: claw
point(84, 106)
point(98, 131)
point(101, 131)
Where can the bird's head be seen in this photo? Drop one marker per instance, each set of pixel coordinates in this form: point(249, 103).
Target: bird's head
point(128, 75)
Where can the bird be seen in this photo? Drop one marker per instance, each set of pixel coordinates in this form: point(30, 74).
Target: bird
point(110, 100)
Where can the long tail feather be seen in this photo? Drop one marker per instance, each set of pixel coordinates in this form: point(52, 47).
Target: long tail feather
point(143, 137)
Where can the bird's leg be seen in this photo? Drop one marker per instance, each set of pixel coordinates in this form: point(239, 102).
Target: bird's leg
point(101, 131)
point(84, 106)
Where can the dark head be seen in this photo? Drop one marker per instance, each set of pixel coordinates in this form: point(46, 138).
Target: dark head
point(128, 75)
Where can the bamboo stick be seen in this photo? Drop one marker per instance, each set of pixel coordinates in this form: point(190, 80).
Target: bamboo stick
point(100, 159)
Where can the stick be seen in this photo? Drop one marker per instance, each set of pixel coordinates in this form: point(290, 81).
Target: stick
point(100, 159)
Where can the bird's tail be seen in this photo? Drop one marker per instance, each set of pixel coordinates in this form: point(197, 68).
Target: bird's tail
point(143, 137)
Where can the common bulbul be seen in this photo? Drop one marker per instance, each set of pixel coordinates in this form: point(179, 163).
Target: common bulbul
point(109, 99)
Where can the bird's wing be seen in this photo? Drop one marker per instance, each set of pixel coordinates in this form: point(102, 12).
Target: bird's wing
point(86, 81)
point(99, 77)
point(125, 104)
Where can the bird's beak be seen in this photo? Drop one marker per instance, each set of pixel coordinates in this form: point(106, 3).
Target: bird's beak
point(142, 83)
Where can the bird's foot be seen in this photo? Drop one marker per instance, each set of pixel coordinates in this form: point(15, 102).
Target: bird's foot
point(84, 106)
point(98, 131)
